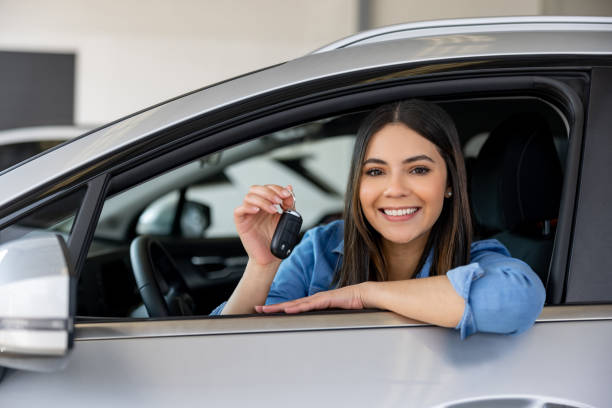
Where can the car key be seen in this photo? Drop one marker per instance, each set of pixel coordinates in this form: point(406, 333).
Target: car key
point(286, 235)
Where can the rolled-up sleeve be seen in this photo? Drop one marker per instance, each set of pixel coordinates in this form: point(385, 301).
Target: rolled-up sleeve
point(217, 310)
point(502, 294)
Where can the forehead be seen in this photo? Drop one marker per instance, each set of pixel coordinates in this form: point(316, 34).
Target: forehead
point(397, 140)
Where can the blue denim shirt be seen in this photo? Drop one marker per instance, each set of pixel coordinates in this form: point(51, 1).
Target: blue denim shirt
point(502, 294)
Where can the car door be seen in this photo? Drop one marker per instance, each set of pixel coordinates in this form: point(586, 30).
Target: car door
point(362, 358)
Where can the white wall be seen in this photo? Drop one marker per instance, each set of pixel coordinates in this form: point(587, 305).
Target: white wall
point(577, 8)
point(386, 12)
point(134, 53)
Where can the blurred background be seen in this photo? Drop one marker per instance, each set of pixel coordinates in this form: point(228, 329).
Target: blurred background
point(70, 65)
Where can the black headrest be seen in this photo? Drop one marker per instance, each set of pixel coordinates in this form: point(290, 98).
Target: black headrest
point(517, 177)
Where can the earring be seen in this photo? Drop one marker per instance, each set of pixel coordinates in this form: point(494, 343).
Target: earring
point(449, 194)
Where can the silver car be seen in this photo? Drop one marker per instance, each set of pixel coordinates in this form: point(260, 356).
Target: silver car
point(152, 194)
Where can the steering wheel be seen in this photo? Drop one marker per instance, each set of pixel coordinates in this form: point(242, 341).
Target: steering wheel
point(160, 283)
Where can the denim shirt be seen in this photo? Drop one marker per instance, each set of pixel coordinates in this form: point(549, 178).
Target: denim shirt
point(502, 294)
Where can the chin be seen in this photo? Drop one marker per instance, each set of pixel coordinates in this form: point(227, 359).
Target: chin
point(400, 239)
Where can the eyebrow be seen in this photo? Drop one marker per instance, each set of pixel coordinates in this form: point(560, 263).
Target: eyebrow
point(405, 161)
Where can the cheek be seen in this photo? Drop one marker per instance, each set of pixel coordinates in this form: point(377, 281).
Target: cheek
point(435, 193)
point(367, 197)
point(431, 191)
point(366, 194)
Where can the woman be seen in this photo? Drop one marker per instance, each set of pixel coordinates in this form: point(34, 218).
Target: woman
point(404, 244)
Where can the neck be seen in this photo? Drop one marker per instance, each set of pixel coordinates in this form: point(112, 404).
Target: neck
point(402, 259)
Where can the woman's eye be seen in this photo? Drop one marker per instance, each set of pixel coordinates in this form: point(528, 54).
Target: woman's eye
point(420, 170)
point(374, 172)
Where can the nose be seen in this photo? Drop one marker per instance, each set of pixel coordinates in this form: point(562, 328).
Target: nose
point(397, 186)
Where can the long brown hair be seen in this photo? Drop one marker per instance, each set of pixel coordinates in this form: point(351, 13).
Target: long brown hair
point(451, 234)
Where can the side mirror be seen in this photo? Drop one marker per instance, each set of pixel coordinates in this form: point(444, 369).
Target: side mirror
point(159, 218)
point(36, 322)
point(195, 219)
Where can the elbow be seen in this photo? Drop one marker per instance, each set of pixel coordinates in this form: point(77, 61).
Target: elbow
point(511, 311)
point(532, 304)
point(521, 317)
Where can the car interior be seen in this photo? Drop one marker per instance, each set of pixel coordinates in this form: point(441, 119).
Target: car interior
point(177, 230)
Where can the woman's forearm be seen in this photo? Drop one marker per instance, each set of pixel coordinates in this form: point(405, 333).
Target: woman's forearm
point(430, 300)
point(252, 289)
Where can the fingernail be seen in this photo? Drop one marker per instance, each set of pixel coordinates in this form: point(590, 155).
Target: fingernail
point(278, 200)
point(285, 193)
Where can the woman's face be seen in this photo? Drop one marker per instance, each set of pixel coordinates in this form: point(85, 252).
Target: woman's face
point(403, 184)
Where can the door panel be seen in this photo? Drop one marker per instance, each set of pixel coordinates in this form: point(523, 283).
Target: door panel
point(404, 366)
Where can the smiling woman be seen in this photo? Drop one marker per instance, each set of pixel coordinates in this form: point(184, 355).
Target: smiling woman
point(425, 164)
point(406, 216)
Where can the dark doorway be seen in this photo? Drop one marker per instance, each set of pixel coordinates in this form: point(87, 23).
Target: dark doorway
point(36, 89)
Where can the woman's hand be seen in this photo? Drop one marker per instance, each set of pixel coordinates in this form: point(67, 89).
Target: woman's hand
point(348, 297)
point(256, 219)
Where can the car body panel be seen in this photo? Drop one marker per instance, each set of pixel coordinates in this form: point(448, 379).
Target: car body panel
point(407, 365)
point(82, 151)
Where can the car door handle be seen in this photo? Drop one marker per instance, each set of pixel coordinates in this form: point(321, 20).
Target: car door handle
point(209, 263)
point(218, 267)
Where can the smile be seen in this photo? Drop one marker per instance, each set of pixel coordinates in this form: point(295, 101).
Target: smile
point(400, 212)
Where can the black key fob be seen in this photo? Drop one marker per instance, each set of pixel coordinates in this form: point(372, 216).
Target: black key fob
point(287, 234)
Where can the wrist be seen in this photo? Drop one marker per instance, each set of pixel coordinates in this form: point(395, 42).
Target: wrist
point(273, 264)
point(261, 271)
point(367, 293)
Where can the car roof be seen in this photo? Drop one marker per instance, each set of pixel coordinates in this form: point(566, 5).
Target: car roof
point(470, 25)
point(584, 36)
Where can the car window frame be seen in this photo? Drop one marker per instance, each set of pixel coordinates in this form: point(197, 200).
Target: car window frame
point(291, 112)
point(543, 86)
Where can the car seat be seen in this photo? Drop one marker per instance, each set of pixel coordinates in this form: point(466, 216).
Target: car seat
point(515, 189)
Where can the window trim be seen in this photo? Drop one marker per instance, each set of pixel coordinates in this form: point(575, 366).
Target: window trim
point(110, 329)
point(83, 229)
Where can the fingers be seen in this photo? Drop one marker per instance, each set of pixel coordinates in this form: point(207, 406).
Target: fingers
point(266, 198)
point(296, 306)
point(284, 194)
point(289, 200)
point(347, 297)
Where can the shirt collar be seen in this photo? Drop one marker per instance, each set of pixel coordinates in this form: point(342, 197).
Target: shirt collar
point(424, 272)
point(340, 248)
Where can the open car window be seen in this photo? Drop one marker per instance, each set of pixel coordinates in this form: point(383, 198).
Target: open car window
point(190, 209)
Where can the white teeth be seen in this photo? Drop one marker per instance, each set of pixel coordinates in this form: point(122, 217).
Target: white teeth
point(398, 213)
